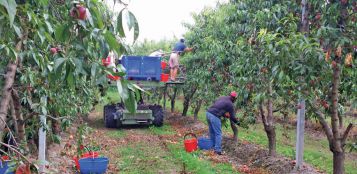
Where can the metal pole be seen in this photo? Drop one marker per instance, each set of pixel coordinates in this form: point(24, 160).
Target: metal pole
point(301, 111)
point(300, 134)
point(42, 145)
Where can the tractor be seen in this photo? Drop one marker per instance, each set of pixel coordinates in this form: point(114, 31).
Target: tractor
point(146, 71)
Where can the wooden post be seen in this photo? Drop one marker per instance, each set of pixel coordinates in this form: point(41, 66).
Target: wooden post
point(300, 134)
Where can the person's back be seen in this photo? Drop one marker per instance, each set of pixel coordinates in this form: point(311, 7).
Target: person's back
point(179, 47)
point(221, 106)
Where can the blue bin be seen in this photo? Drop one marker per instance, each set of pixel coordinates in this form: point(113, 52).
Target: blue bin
point(205, 143)
point(142, 67)
point(93, 165)
point(3, 167)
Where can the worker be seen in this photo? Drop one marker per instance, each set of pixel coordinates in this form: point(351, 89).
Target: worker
point(222, 107)
point(178, 50)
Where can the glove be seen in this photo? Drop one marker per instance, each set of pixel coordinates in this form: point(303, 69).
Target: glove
point(238, 123)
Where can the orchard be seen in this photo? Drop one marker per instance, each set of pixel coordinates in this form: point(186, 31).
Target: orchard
point(281, 57)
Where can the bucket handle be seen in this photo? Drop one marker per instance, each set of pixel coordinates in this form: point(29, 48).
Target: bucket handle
point(192, 134)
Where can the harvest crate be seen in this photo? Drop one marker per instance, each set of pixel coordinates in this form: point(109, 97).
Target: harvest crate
point(142, 67)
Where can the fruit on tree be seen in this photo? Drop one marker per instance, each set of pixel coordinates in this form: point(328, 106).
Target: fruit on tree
point(324, 104)
point(334, 64)
point(318, 16)
point(338, 51)
point(327, 55)
point(78, 12)
point(54, 50)
point(264, 70)
point(82, 12)
point(348, 60)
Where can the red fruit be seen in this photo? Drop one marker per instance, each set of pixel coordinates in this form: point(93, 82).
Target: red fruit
point(5, 158)
point(81, 147)
point(334, 64)
point(53, 50)
point(73, 12)
point(318, 16)
point(78, 12)
point(82, 12)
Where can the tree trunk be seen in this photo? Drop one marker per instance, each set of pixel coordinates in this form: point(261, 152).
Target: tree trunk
point(187, 98)
point(197, 109)
point(173, 98)
point(338, 162)
point(268, 123)
point(9, 81)
point(56, 128)
point(6, 92)
point(13, 116)
point(186, 105)
point(19, 116)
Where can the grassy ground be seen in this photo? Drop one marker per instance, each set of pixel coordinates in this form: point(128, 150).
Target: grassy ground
point(316, 151)
point(144, 151)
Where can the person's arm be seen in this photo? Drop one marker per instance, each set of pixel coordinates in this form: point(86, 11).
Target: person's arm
point(233, 115)
point(187, 49)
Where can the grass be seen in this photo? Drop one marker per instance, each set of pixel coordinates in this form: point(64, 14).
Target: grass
point(191, 162)
point(164, 130)
point(117, 134)
point(141, 157)
point(152, 157)
point(316, 152)
point(195, 164)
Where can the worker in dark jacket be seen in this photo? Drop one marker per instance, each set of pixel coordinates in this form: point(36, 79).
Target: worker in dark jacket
point(222, 107)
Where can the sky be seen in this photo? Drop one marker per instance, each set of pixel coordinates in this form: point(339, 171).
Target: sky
point(159, 19)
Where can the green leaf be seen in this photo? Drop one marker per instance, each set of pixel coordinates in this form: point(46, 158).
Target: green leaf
point(98, 18)
point(62, 33)
point(130, 103)
point(90, 19)
point(104, 48)
point(79, 66)
point(10, 6)
point(49, 27)
point(59, 62)
point(113, 43)
point(281, 75)
point(120, 27)
point(41, 36)
point(70, 79)
point(94, 69)
point(122, 89)
point(18, 31)
point(136, 25)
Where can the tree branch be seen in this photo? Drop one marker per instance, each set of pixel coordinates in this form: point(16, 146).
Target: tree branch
point(345, 134)
point(325, 126)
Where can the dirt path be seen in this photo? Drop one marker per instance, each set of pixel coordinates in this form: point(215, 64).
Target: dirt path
point(149, 150)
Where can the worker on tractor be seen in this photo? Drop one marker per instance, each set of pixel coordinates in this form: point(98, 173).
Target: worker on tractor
point(177, 51)
point(222, 107)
